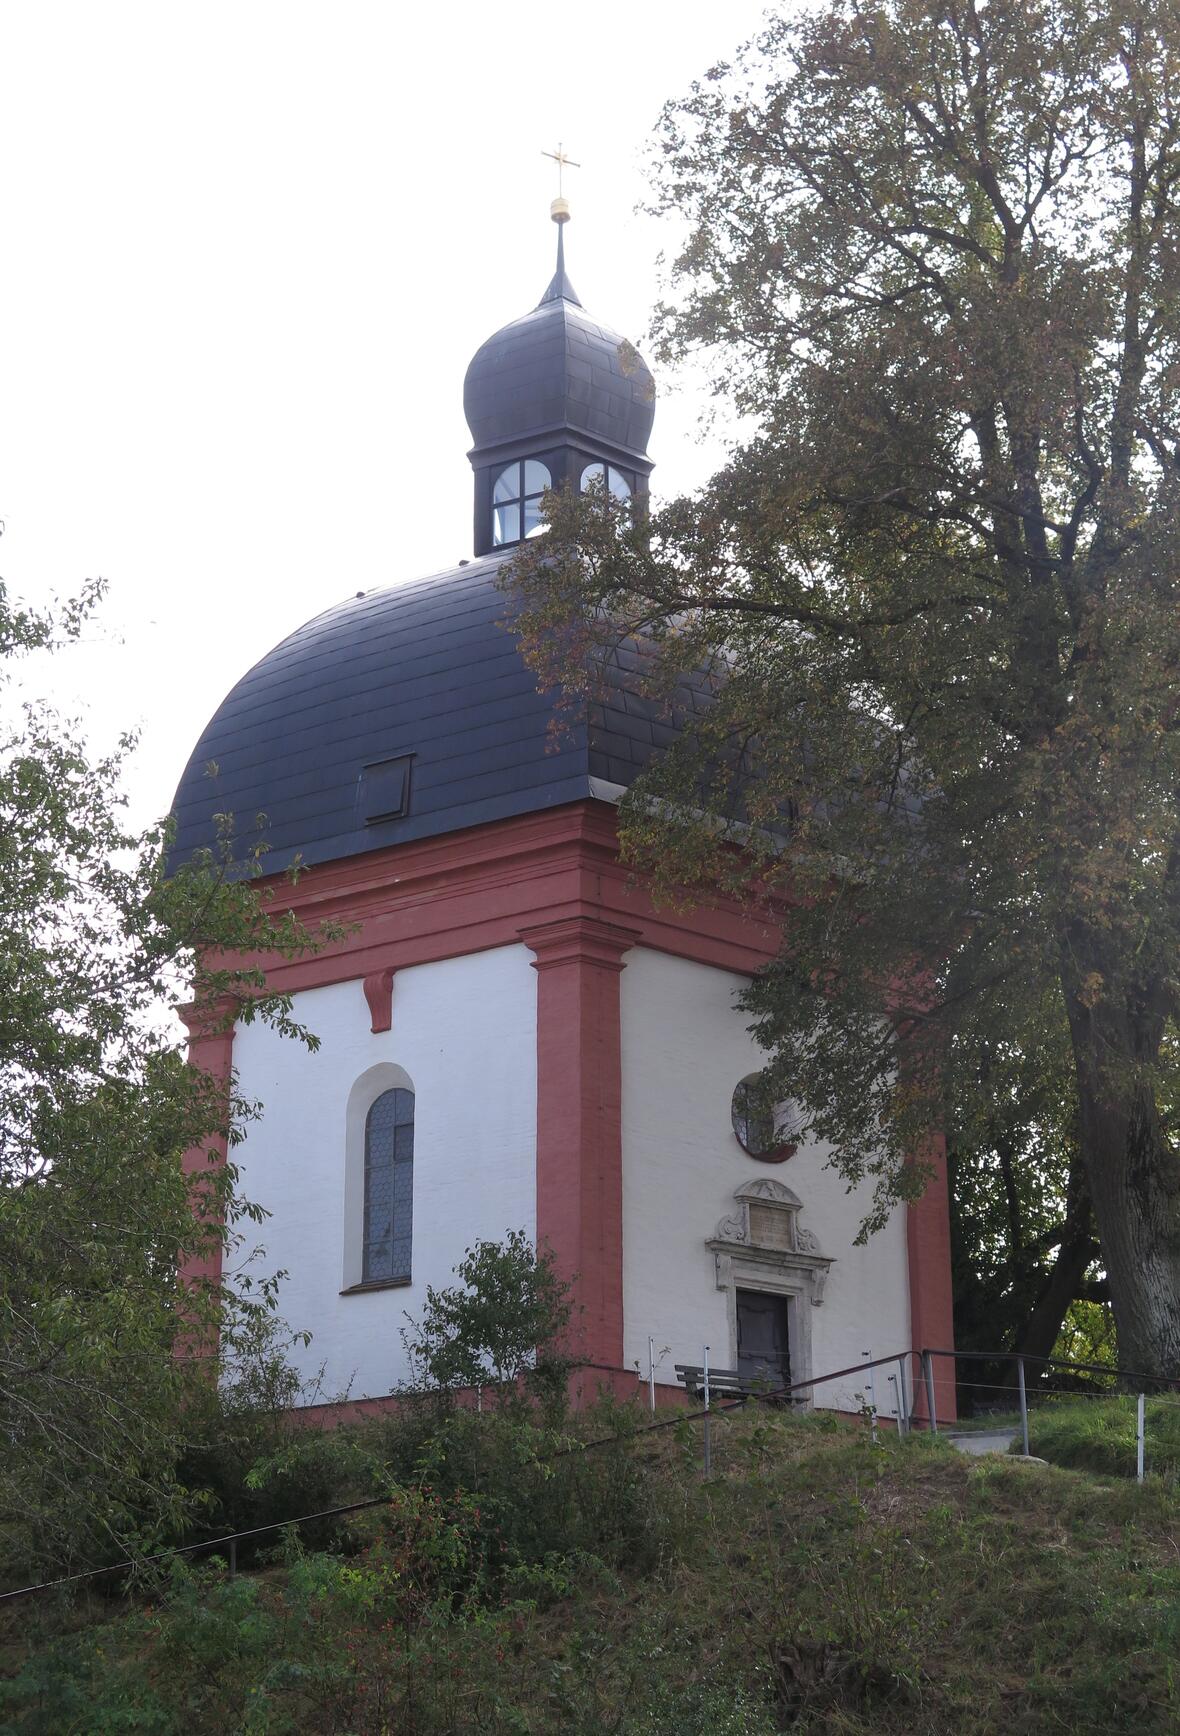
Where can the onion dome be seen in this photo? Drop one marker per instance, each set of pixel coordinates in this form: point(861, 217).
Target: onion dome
point(409, 713)
point(557, 372)
point(553, 399)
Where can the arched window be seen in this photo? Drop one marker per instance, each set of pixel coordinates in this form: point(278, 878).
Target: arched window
point(389, 1187)
point(606, 474)
point(516, 500)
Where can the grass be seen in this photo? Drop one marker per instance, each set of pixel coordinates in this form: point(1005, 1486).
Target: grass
point(1098, 1434)
point(816, 1583)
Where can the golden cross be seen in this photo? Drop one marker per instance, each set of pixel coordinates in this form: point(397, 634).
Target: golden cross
point(563, 162)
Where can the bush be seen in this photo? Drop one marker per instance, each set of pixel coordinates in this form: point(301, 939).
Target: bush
point(816, 1582)
point(248, 1459)
point(546, 1494)
point(504, 1327)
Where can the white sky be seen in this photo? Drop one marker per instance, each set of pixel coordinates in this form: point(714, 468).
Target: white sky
point(249, 249)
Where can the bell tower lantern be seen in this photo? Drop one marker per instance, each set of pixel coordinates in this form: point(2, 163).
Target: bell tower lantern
point(553, 400)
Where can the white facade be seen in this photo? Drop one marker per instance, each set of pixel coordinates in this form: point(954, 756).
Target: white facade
point(464, 1039)
point(685, 1048)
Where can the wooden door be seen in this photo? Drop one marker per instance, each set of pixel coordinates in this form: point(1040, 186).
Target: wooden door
point(763, 1337)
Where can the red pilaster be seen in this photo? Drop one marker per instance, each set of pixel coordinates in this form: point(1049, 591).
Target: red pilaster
point(579, 1118)
point(210, 1050)
point(928, 1245)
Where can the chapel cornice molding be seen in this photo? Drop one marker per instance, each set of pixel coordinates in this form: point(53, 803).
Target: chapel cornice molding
point(487, 887)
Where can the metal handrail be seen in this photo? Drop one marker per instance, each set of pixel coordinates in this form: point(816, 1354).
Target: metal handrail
point(1011, 1356)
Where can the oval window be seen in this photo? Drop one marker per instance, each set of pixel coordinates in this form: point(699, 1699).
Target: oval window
point(771, 1135)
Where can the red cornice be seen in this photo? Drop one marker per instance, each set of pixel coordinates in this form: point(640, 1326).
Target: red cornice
point(444, 897)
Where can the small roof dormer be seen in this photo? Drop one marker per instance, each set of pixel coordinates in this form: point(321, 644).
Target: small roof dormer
point(553, 400)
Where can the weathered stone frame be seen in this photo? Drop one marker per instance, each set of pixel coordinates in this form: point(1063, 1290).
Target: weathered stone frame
point(786, 1262)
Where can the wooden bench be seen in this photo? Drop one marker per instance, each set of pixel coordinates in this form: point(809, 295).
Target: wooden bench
point(724, 1383)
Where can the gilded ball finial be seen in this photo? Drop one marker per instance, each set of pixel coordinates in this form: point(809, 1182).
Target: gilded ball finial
point(559, 210)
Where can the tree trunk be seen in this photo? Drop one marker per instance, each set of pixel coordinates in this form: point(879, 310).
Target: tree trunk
point(1134, 1177)
point(1075, 1252)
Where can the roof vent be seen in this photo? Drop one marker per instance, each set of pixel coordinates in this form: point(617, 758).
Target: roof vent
point(384, 792)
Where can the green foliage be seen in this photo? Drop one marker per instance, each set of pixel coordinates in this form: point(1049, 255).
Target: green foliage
point(97, 1106)
point(249, 1460)
point(932, 256)
point(504, 1327)
point(549, 1499)
point(1098, 1434)
point(1021, 1223)
point(1087, 1335)
point(816, 1582)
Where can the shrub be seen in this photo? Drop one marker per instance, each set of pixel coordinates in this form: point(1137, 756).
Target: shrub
point(505, 1326)
point(248, 1460)
point(546, 1493)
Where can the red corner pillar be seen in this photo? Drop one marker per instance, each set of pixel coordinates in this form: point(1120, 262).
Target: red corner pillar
point(928, 1246)
point(210, 1051)
point(579, 1118)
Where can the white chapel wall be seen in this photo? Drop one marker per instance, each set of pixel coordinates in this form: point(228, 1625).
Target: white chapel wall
point(464, 1033)
point(685, 1047)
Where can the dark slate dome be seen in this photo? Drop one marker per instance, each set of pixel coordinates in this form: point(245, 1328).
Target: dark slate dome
point(405, 713)
point(558, 371)
point(408, 713)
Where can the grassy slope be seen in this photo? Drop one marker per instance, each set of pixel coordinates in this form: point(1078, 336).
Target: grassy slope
point(1098, 1434)
point(815, 1584)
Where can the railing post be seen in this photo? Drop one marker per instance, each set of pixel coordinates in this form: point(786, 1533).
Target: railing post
point(868, 1356)
point(708, 1441)
point(928, 1376)
point(1140, 1434)
point(903, 1409)
point(1023, 1403)
point(651, 1375)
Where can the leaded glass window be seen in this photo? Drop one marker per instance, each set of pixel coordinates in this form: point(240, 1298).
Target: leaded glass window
point(389, 1187)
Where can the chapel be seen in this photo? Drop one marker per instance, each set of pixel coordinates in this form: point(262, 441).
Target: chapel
point(511, 1034)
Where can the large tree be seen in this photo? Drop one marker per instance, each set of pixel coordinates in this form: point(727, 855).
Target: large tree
point(98, 944)
point(932, 252)
point(1022, 1228)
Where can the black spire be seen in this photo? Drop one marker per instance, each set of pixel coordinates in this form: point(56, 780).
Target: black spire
point(560, 289)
